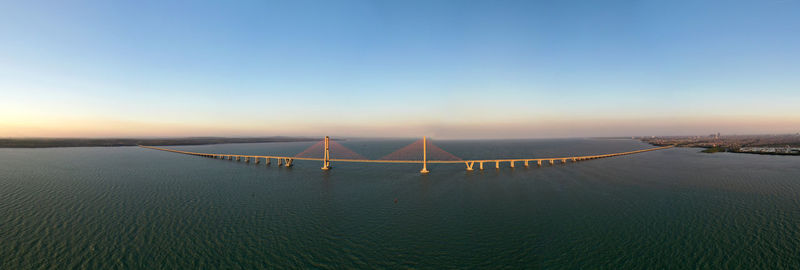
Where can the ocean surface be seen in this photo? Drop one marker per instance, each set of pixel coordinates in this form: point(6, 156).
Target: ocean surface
point(135, 208)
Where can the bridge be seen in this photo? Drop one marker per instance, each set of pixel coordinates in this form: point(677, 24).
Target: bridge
point(326, 158)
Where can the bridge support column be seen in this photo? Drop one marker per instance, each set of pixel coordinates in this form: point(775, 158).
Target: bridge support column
point(469, 165)
point(247, 159)
point(564, 161)
point(552, 162)
point(258, 160)
point(238, 158)
point(574, 160)
point(539, 163)
point(497, 164)
point(512, 164)
point(526, 164)
point(280, 161)
point(288, 162)
point(266, 161)
point(326, 163)
point(481, 163)
point(424, 155)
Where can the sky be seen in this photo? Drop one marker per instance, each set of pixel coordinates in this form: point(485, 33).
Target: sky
point(445, 69)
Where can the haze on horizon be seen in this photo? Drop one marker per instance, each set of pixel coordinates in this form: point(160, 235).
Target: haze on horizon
point(448, 69)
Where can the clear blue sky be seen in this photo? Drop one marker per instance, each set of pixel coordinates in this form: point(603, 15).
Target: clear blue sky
point(453, 69)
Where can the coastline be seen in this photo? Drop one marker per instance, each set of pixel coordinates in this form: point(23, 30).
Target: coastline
point(120, 142)
point(720, 149)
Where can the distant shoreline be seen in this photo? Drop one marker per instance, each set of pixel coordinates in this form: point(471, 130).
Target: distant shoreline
point(721, 149)
point(119, 142)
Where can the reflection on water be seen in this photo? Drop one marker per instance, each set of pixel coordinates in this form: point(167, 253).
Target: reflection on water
point(105, 208)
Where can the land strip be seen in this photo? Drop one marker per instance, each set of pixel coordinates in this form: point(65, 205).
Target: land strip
point(111, 142)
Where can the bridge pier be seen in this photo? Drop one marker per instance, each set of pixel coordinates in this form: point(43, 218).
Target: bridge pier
point(258, 160)
point(247, 159)
point(526, 164)
point(564, 161)
point(552, 162)
point(512, 163)
point(238, 158)
point(266, 162)
point(280, 161)
point(574, 160)
point(539, 163)
point(288, 162)
point(469, 165)
point(481, 163)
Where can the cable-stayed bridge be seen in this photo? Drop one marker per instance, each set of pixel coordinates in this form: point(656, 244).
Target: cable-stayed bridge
point(422, 152)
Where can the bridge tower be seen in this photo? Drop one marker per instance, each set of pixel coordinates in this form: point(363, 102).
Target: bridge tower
point(424, 155)
point(326, 160)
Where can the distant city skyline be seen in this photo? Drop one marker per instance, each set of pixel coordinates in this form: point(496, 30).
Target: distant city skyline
point(446, 69)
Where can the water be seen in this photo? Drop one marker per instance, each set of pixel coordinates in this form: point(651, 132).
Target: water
point(133, 208)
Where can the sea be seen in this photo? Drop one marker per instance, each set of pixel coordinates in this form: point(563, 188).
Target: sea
point(136, 208)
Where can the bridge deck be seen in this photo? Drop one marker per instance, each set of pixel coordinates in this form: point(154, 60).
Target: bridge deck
point(574, 158)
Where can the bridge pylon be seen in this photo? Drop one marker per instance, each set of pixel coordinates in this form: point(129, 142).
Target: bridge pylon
point(424, 155)
point(326, 160)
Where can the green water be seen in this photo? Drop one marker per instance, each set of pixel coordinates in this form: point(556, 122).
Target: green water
point(133, 208)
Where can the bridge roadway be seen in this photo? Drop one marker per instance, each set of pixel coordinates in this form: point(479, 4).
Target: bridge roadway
point(288, 161)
